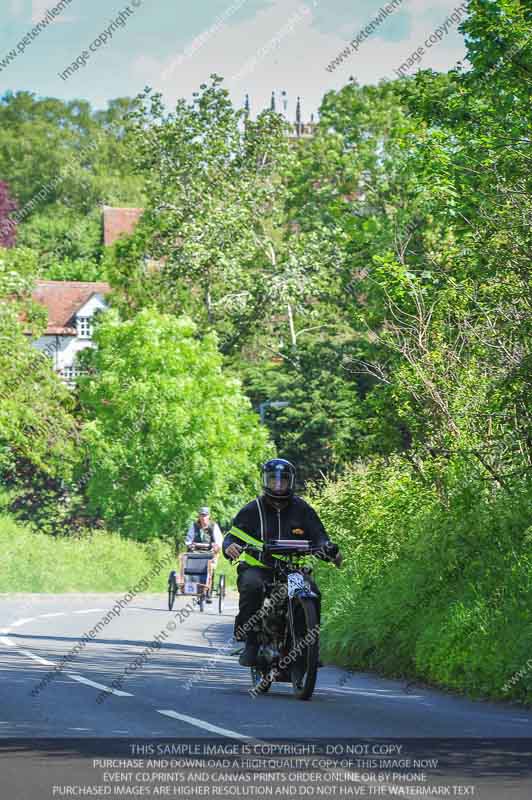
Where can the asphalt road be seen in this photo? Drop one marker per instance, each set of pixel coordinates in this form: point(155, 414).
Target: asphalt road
point(191, 686)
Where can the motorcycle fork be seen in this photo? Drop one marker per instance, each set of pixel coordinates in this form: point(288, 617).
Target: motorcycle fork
point(291, 624)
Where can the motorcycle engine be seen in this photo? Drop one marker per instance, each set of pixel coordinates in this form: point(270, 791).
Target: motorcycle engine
point(273, 619)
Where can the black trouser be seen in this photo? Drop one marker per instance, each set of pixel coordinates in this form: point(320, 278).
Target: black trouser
point(250, 581)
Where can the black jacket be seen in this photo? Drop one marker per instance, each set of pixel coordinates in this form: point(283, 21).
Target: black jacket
point(297, 520)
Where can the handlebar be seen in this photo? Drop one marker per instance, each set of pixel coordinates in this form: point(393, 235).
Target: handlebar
point(295, 547)
point(199, 546)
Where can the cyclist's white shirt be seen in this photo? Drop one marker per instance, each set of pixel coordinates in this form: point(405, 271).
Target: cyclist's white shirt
point(217, 534)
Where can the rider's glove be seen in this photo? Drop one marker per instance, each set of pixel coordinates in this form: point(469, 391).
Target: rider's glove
point(331, 550)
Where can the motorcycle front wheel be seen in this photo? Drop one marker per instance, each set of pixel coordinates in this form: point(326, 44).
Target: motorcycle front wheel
point(305, 649)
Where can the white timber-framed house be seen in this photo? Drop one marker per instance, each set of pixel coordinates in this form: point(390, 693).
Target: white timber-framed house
point(71, 306)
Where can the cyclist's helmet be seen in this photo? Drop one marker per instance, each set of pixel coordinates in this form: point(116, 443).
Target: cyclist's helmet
point(278, 479)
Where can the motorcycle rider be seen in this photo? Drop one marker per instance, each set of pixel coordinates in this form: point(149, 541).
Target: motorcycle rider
point(277, 514)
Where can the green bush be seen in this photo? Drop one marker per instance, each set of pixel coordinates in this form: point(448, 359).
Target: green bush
point(438, 592)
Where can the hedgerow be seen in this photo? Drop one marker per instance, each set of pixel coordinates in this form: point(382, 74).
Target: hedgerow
point(431, 590)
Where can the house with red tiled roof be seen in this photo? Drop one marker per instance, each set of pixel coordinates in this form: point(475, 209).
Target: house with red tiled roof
point(71, 306)
point(119, 222)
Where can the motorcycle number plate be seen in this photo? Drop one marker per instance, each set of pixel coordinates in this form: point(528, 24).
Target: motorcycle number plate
point(296, 583)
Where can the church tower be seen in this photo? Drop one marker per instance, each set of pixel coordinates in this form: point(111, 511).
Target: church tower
point(300, 129)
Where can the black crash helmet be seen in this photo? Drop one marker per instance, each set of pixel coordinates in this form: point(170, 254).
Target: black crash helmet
point(278, 479)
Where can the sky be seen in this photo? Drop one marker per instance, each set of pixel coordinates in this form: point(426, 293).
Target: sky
point(257, 46)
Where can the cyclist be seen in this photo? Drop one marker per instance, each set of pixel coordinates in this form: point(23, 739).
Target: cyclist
point(277, 514)
point(203, 531)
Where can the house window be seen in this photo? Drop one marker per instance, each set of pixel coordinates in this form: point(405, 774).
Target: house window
point(84, 327)
point(70, 373)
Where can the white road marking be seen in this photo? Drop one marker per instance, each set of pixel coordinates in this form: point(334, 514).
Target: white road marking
point(199, 723)
point(6, 642)
point(81, 679)
point(56, 614)
point(37, 658)
point(89, 611)
point(339, 690)
point(20, 622)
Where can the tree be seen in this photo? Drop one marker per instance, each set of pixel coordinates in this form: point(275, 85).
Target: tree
point(65, 157)
point(321, 427)
point(429, 181)
point(166, 430)
point(37, 428)
point(215, 219)
point(68, 246)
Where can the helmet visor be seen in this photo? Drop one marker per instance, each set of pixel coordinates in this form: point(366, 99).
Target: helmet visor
point(278, 482)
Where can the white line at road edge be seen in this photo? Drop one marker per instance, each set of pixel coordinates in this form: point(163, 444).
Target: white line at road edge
point(89, 611)
point(81, 679)
point(55, 614)
point(198, 723)
point(21, 622)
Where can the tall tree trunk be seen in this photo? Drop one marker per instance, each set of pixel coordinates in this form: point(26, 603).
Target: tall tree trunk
point(291, 326)
point(208, 303)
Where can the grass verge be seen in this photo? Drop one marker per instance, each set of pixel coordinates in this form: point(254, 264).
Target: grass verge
point(101, 562)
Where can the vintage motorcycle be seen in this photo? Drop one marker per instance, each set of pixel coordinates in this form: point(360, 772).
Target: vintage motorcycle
point(287, 624)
